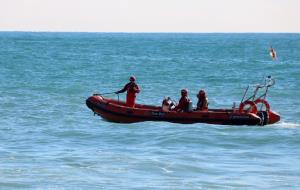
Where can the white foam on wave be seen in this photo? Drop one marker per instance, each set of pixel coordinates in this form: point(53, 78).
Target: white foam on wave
point(288, 125)
point(166, 170)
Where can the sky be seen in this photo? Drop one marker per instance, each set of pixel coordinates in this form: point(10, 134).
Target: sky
point(150, 15)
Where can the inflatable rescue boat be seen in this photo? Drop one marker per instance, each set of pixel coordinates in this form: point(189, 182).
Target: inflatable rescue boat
point(252, 111)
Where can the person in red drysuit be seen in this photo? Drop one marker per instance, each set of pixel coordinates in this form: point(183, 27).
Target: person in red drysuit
point(202, 101)
point(132, 88)
point(183, 104)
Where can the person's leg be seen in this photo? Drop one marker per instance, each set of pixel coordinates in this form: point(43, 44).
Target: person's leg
point(130, 100)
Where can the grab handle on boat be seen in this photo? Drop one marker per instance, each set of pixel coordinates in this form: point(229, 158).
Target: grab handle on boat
point(104, 93)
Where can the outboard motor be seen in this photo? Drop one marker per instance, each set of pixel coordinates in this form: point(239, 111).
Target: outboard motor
point(167, 104)
point(264, 116)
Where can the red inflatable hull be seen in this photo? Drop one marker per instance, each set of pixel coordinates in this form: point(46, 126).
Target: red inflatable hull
point(116, 111)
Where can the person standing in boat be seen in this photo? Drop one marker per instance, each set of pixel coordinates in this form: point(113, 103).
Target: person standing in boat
point(202, 103)
point(132, 88)
point(184, 101)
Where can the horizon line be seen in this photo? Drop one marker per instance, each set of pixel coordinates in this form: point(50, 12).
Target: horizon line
point(145, 32)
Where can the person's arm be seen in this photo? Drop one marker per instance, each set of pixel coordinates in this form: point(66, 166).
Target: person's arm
point(136, 88)
point(123, 89)
point(180, 105)
point(206, 103)
point(201, 104)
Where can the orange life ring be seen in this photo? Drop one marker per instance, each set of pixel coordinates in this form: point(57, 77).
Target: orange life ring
point(263, 101)
point(251, 103)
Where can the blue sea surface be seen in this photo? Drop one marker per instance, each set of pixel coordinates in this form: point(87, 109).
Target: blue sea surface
point(49, 139)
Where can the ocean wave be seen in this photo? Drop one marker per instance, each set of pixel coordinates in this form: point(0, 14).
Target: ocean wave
point(288, 125)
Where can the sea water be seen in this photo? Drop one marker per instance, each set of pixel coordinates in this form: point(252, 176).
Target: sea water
point(49, 139)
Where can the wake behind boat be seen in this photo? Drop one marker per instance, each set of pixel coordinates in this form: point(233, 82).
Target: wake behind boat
point(246, 114)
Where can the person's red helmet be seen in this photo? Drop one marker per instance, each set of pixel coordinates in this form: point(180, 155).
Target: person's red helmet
point(201, 93)
point(184, 92)
point(132, 78)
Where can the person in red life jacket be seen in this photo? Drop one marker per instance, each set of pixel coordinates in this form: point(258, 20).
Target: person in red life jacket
point(183, 104)
point(132, 88)
point(202, 103)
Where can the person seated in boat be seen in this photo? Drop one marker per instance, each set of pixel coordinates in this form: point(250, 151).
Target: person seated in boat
point(202, 103)
point(183, 105)
point(132, 89)
point(167, 104)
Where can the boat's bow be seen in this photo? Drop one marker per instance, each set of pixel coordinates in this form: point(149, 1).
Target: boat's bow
point(273, 117)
